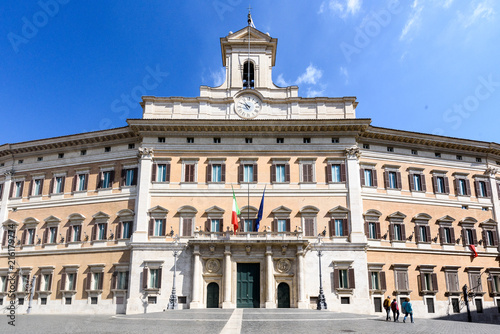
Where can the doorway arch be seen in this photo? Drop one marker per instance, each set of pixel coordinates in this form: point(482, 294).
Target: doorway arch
point(213, 295)
point(283, 295)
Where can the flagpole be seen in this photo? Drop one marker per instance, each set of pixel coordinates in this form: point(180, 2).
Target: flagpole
point(248, 206)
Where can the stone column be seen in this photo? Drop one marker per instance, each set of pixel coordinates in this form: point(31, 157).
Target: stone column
point(4, 214)
point(270, 303)
point(197, 279)
point(354, 201)
point(301, 293)
point(227, 303)
point(143, 198)
point(491, 172)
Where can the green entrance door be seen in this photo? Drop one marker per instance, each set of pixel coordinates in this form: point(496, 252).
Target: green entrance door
point(283, 295)
point(248, 285)
point(213, 295)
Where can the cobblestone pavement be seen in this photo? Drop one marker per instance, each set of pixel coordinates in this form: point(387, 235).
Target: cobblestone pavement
point(244, 321)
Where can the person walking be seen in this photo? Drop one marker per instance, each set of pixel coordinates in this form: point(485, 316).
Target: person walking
point(408, 310)
point(395, 310)
point(387, 307)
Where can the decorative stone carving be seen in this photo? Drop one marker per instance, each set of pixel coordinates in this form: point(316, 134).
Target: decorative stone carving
point(283, 266)
point(211, 248)
point(212, 266)
point(248, 249)
point(145, 152)
point(353, 152)
point(283, 249)
point(491, 171)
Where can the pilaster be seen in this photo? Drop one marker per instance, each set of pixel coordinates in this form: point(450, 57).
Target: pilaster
point(197, 279)
point(227, 279)
point(269, 278)
point(354, 200)
point(301, 303)
point(143, 199)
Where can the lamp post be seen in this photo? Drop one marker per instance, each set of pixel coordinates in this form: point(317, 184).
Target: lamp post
point(470, 293)
point(321, 305)
point(172, 302)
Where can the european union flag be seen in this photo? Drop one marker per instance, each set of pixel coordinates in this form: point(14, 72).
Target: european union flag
point(261, 210)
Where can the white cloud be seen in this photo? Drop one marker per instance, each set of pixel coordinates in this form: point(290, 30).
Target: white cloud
point(345, 73)
point(218, 77)
point(482, 11)
point(310, 76)
point(280, 81)
point(313, 92)
point(413, 20)
point(447, 3)
point(342, 8)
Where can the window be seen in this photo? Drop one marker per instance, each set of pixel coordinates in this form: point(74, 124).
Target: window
point(475, 283)
point(58, 186)
point(414, 152)
point(106, 179)
point(447, 235)
point(428, 279)
point(401, 278)
point(392, 179)
point(307, 172)
point(36, 187)
point(306, 140)
point(131, 146)
point(39, 159)
point(50, 235)
point(335, 172)
point(422, 229)
point(248, 75)
point(217, 140)
point(479, 160)
point(280, 173)
point(80, 182)
point(309, 224)
point(248, 225)
point(120, 280)
point(248, 140)
point(99, 231)
point(25, 281)
point(440, 184)
point(17, 187)
point(124, 230)
point(215, 225)
point(366, 146)
point(75, 233)
point(107, 149)
point(190, 140)
point(67, 301)
point(376, 277)
point(161, 139)
point(280, 140)
point(152, 278)
point(343, 277)
point(160, 172)
point(482, 188)
point(374, 281)
point(68, 281)
point(60, 155)
point(490, 238)
point(430, 304)
point(247, 173)
point(417, 182)
point(368, 177)
point(390, 149)
point(397, 230)
point(189, 172)
point(494, 283)
point(94, 279)
point(28, 237)
point(469, 236)
point(335, 140)
point(372, 230)
point(187, 227)
point(462, 186)
point(437, 155)
point(83, 152)
point(157, 227)
point(45, 281)
point(459, 157)
point(452, 284)
point(216, 173)
point(281, 225)
point(129, 177)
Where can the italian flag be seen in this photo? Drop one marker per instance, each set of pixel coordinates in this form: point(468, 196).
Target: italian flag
point(236, 213)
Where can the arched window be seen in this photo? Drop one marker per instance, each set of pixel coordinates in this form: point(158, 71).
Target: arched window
point(248, 75)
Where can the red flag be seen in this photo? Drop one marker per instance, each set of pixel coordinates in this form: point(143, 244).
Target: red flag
point(473, 249)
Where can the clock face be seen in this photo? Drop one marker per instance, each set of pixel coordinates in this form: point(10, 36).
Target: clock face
point(248, 106)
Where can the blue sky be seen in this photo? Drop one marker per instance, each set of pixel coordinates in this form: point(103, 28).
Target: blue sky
point(69, 66)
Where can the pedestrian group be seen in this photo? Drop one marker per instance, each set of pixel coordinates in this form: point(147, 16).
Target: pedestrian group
point(406, 308)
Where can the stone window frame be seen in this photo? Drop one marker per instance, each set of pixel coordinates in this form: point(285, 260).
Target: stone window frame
point(100, 177)
point(154, 170)
point(123, 175)
point(278, 162)
point(20, 290)
point(412, 171)
point(214, 212)
point(489, 225)
point(446, 182)
point(281, 213)
point(74, 219)
point(157, 213)
point(6, 228)
point(50, 221)
point(343, 170)
point(397, 218)
point(149, 265)
point(339, 213)
point(487, 186)
point(372, 216)
point(247, 213)
point(309, 212)
point(53, 183)
point(461, 176)
point(189, 161)
point(42, 271)
point(29, 223)
point(468, 224)
point(13, 189)
point(381, 277)
point(215, 161)
point(187, 212)
point(401, 272)
point(247, 161)
point(124, 216)
point(90, 283)
point(422, 220)
point(76, 181)
point(451, 273)
point(119, 268)
point(446, 222)
point(427, 269)
point(346, 265)
point(69, 269)
point(374, 177)
point(100, 218)
point(392, 169)
point(303, 162)
point(34, 177)
point(494, 281)
point(475, 282)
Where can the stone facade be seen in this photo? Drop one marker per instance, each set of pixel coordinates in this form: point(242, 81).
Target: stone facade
point(97, 217)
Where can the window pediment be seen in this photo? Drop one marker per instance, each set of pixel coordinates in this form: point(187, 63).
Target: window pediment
point(445, 220)
point(396, 217)
point(488, 223)
point(31, 222)
point(215, 210)
point(309, 209)
point(372, 214)
point(52, 221)
point(187, 209)
point(467, 221)
point(10, 222)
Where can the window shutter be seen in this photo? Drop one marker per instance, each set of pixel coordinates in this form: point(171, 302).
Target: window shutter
point(163, 227)
point(134, 178)
point(498, 188)
point(403, 232)
point(487, 186)
point(1, 191)
point(383, 284)
point(474, 237)
point(332, 227)
point(422, 181)
point(441, 235)
point(101, 280)
point(89, 278)
point(50, 283)
point(417, 234)
point(484, 237)
point(153, 172)
point(11, 191)
point(4, 238)
point(399, 184)
point(126, 280)
point(79, 238)
point(159, 277)
point(343, 173)
point(41, 186)
point(86, 182)
point(345, 227)
point(105, 236)
point(467, 187)
point(111, 178)
point(119, 230)
point(434, 282)
point(187, 226)
point(386, 179)
point(241, 225)
point(94, 232)
point(167, 173)
point(336, 279)
point(377, 230)
point(495, 238)
point(51, 186)
point(209, 173)
point(73, 184)
point(31, 188)
point(370, 280)
point(187, 177)
point(362, 176)
point(288, 225)
point(452, 234)
point(99, 180)
point(421, 281)
point(221, 225)
point(255, 174)
point(309, 227)
point(464, 237)
point(455, 186)
point(352, 281)
point(476, 187)
point(240, 173)
point(434, 184)
point(208, 225)
point(23, 238)
point(412, 182)
point(45, 235)
point(223, 173)
point(287, 173)
point(113, 280)
point(68, 234)
point(63, 281)
point(273, 173)
point(145, 278)
point(374, 174)
point(490, 287)
point(329, 173)
point(275, 225)
point(446, 185)
point(391, 232)
point(367, 229)
point(38, 282)
point(123, 176)
point(151, 227)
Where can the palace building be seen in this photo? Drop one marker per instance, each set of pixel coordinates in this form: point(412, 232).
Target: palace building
point(93, 220)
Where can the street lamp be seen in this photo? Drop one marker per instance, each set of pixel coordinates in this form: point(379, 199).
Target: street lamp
point(471, 293)
point(172, 302)
point(321, 305)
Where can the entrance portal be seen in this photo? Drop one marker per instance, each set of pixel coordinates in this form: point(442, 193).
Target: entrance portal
point(213, 295)
point(283, 295)
point(248, 285)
